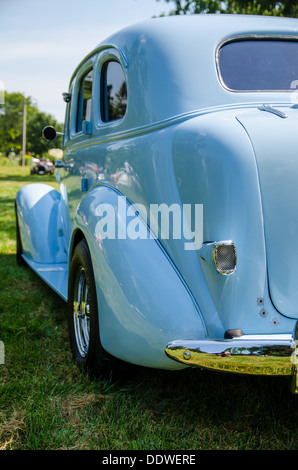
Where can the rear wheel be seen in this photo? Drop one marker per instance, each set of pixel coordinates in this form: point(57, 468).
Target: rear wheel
point(83, 321)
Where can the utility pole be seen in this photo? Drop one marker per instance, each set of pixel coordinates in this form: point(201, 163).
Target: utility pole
point(24, 131)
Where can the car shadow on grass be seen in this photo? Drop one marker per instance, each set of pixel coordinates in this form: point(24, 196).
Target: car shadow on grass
point(191, 401)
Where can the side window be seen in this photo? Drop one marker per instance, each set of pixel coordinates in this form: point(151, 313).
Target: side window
point(113, 92)
point(84, 100)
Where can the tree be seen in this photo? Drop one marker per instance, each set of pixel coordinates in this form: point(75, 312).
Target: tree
point(11, 126)
point(36, 144)
point(253, 7)
point(11, 123)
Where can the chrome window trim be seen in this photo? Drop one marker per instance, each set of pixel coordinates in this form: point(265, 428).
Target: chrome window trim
point(246, 37)
point(104, 63)
point(105, 55)
point(99, 49)
point(75, 83)
point(80, 97)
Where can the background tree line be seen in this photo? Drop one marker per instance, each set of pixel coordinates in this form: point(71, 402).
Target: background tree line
point(252, 7)
point(11, 127)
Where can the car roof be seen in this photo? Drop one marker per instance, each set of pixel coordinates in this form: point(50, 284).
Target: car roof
point(171, 61)
point(201, 25)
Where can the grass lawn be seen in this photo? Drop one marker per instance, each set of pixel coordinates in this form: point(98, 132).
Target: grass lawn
point(45, 403)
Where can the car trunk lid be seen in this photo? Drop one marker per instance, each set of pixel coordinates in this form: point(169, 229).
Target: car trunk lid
point(274, 137)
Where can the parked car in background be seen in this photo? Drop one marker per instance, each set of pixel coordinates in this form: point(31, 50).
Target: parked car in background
point(42, 167)
point(173, 236)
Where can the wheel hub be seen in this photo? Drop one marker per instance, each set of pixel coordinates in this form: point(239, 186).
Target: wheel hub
point(81, 313)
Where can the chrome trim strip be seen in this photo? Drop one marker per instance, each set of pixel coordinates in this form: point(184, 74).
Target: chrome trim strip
point(98, 49)
point(247, 354)
point(158, 125)
point(270, 109)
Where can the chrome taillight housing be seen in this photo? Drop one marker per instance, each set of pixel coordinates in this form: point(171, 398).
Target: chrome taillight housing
point(221, 254)
point(224, 257)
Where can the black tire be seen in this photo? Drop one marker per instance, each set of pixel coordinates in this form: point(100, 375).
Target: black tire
point(19, 257)
point(83, 323)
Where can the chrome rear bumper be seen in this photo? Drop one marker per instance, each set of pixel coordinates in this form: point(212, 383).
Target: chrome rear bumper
point(247, 354)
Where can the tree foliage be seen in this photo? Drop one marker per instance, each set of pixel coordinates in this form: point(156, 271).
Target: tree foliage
point(11, 126)
point(253, 7)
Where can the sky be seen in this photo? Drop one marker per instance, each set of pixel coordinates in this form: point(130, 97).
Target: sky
point(42, 41)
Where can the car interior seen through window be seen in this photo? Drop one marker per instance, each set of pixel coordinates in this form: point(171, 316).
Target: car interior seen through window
point(259, 64)
point(84, 101)
point(114, 92)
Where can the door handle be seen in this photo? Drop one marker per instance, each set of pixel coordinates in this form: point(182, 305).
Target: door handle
point(61, 164)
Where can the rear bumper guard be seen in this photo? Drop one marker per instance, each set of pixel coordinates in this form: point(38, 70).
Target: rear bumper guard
point(247, 354)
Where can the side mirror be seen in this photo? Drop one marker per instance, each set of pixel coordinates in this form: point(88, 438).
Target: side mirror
point(49, 133)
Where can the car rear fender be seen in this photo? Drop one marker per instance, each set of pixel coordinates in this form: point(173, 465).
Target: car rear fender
point(142, 299)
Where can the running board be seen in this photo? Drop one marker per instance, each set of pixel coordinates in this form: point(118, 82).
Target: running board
point(54, 275)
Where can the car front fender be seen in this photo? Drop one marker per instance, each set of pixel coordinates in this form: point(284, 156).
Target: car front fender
point(42, 237)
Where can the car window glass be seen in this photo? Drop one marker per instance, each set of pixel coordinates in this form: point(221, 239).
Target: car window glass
point(114, 92)
point(259, 64)
point(84, 100)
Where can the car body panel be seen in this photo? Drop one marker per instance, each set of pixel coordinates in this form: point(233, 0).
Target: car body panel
point(275, 145)
point(225, 180)
point(135, 279)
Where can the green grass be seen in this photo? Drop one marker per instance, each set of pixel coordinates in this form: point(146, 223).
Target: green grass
point(45, 403)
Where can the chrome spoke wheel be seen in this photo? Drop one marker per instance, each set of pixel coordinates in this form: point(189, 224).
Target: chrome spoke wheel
point(81, 313)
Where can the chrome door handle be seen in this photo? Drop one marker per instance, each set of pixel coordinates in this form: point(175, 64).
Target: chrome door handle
point(61, 164)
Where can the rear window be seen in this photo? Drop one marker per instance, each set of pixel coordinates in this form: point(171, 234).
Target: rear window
point(259, 64)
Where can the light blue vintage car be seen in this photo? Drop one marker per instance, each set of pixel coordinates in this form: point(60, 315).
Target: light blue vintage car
point(173, 238)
